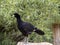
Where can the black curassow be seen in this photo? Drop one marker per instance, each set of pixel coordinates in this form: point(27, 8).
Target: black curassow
point(26, 28)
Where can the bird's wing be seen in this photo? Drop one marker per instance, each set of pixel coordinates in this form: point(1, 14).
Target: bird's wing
point(27, 27)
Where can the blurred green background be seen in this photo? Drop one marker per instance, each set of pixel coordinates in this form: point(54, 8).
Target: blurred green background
point(40, 13)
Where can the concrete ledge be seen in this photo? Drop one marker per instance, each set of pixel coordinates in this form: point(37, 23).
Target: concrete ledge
point(41, 43)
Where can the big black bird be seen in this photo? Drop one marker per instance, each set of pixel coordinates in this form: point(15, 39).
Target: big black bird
point(26, 28)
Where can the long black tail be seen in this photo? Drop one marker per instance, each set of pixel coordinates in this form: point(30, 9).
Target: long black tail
point(40, 32)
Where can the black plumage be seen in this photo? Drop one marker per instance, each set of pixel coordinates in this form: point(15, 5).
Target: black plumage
point(25, 27)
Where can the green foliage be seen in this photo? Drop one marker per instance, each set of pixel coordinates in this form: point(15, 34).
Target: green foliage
point(41, 13)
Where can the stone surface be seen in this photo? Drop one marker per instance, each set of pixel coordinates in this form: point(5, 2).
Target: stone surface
point(41, 43)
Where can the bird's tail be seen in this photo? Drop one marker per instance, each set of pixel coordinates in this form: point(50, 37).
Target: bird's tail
point(40, 32)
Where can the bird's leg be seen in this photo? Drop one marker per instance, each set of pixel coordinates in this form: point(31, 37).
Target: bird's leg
point(26, 40)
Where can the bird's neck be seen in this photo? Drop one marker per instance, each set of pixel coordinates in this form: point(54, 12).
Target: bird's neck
point(19, 21)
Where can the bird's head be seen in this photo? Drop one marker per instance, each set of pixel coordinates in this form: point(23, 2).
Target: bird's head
point(16, 15)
